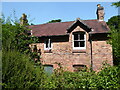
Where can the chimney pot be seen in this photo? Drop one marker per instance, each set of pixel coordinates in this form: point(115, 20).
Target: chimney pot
point(100, 12)
point(23, 19)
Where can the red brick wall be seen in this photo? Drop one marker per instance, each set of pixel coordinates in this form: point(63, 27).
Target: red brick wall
point(62, 52)
point(101, 52)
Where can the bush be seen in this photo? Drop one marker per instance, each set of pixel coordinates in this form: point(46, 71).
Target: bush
point(19, 72)
point(107, 78)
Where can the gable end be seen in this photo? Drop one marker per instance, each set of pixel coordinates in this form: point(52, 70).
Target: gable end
point(78, 23)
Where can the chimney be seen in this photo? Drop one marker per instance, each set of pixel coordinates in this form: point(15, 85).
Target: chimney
point(100, 12)
point(23, 20)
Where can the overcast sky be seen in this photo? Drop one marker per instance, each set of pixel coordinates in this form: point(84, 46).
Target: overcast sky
point(42, 12)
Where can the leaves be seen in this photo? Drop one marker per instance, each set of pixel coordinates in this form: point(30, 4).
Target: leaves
point(114, 24)
point(18, 70)
point(107, 78)
point(117, 4)
point(54, 21)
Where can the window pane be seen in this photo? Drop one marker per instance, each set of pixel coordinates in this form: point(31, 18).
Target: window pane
point(76, 44)
point(48, 69)
point(47, 44)
point(75, 36)
point(82, 43)
point(81, 36)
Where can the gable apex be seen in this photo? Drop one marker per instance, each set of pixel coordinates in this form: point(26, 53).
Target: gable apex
point(80, 23)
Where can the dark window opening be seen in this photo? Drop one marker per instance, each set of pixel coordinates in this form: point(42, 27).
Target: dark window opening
point(47, 44)
point(75, 36)
point(76, 44)
point(81, 36)
point(82, 43)
point(78, 68)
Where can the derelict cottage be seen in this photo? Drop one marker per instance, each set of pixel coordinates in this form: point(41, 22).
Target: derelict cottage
point(75, 44)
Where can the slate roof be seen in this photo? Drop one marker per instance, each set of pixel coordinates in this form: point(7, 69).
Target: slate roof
point(60, 28)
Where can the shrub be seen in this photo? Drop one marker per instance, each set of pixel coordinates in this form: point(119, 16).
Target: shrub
point(107, 78)
point(19, 72)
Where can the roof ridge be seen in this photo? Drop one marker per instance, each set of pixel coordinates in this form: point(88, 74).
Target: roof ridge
point(65, 22)
point(91, 20)
point(51, 23)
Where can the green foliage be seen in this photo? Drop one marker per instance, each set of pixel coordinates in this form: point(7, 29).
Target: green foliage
point(107, 78)
point(117, 4)
point(54, 21)
point(114, 24)
point(18, 71)
point(15, 37)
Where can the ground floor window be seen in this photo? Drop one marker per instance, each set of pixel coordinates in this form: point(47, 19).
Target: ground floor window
point(48, 69)
point(78, 68)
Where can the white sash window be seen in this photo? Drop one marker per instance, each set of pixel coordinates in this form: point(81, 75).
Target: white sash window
point(79, 40)
point(48, 44)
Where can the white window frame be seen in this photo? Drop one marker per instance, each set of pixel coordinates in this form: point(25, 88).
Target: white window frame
point(49, 48)
point(31, 32)
point(79, 48)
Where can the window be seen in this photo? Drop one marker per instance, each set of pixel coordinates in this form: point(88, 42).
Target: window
point(48, 69)
point(48, 44)
point(78, 68)
point(79, 40)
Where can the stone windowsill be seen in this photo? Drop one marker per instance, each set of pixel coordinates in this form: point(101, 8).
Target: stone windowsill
point(79, 50)
point(47, 51)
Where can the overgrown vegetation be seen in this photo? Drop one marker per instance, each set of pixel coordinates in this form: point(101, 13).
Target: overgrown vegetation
point(108, 78)
point(114, 24)
point(18, 70)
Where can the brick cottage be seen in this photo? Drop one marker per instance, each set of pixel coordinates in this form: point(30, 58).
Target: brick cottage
point(75, 44)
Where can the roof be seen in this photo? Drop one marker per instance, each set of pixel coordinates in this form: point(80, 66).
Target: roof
point(80, 23)
point(60, 28)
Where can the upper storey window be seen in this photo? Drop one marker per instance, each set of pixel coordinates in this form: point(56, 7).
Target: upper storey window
point(79, 40)
point(48, 44)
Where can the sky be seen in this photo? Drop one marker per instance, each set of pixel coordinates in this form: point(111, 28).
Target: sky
point(42, 12)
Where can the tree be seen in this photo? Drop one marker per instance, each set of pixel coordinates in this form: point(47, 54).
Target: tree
point(54, 21)
point(117, 4)
point(18, 69)
point(114, 24)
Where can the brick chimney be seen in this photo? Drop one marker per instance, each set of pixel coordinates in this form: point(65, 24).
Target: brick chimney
point(23, 19)
point(100, 12)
